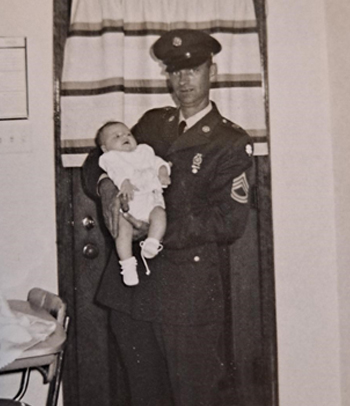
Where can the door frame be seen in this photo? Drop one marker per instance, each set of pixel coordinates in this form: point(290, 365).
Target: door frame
point(64, 208)
point(64, 224)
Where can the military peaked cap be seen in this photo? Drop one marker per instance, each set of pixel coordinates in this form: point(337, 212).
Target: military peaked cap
point(185, 48)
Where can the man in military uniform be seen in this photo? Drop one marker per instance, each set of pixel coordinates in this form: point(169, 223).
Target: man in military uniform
point(169, 328)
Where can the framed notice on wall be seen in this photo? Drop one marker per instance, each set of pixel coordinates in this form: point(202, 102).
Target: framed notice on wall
point(13, 78)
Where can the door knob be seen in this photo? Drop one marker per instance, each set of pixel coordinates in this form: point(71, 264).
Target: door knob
point(90, 251)
point(88, 222)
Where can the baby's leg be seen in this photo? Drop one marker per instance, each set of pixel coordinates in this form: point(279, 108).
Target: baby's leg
point(157, 226)
point(124, 249)
point(157, 223)
point(124, 240)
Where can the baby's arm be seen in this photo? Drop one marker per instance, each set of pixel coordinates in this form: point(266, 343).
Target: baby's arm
point(164, 176)
point(164, 170)
point(161, 167)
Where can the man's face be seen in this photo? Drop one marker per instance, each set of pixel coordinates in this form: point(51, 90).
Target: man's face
point(191, 86)
point(118, 137)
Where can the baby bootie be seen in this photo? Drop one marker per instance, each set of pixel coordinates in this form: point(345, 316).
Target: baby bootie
point(150, 247)
point(128, 272)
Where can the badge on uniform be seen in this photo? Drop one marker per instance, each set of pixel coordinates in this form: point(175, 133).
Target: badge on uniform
point(249, 150)
point(196, 163)
point(240, 189)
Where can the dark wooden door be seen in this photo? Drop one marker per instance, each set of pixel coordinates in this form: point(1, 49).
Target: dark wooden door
point(92, 372)
point(91, 375)
point(93, 345)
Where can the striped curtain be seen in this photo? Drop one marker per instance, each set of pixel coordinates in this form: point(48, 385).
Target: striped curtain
point(109, 72)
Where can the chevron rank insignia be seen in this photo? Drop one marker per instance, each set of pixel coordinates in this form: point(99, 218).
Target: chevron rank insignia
point(240, 189)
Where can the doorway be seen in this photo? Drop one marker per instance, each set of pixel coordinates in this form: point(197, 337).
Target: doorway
point(83, 242)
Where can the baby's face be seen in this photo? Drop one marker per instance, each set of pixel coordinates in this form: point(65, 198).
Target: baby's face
point(118, 137)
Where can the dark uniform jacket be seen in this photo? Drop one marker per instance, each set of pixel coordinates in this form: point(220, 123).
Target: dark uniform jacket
point(207, 208)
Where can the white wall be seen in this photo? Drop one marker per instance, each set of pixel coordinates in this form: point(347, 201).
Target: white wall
point(309, 104)
point(337, 21)
point(27, 203)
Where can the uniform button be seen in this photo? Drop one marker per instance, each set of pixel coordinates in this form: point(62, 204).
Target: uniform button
point(196, 258)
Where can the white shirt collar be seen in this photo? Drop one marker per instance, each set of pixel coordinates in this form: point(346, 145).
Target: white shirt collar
point(191, 121)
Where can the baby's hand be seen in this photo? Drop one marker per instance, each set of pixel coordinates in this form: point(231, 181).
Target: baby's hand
point(127, 190)
point(163, 176)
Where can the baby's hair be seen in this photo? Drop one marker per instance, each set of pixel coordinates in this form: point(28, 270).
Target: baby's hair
point(98, 138)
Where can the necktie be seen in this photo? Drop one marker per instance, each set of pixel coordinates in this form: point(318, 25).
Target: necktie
point(182, 127)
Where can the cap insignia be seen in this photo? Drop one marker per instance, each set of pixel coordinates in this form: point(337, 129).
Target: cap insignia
point(177, 41)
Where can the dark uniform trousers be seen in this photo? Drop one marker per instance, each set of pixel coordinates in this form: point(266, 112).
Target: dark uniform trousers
point(169, 328)
point(169, 362)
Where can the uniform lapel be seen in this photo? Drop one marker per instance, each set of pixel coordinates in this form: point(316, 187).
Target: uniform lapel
point(199, 134)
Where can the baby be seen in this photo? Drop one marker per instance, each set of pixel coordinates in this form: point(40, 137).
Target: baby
point(140, 176)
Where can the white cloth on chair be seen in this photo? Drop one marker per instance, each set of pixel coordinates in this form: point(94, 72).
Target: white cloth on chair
point(19, 331)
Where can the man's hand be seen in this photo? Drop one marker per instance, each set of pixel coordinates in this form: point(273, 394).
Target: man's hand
point(110, 205)
point(111, 211)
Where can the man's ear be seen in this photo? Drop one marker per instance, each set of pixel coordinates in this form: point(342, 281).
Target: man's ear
point(213, 70)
